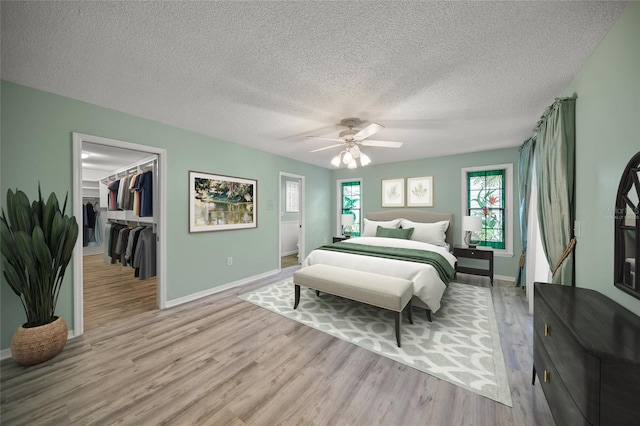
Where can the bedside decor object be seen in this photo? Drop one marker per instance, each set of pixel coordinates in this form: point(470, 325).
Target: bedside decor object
point(471, 224)
point(37, 245)
point(474, 253)
point(393, 193)
point(420, 191)
point(218, 203)
point(347, 221)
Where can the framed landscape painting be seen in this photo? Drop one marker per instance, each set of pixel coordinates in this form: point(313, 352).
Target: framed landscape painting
point(420, 191)
point(393, 193)
point(219, 203)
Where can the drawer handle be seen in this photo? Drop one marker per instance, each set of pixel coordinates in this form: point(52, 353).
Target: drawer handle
point(547, 330)
point(546, 376)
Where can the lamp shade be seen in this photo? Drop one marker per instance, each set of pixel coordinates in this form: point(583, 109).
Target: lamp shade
point(347, 220)
point(471, 223)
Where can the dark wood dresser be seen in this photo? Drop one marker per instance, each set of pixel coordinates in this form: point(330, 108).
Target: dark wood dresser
point(586, 353)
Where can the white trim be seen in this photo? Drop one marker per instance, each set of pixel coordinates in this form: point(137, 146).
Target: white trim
point(339, 204)
point(6, 353)
point(218, 289)
point(161, 230)
point(508, 205)
point(287, 253)
point(302, 214)
point(504, 278)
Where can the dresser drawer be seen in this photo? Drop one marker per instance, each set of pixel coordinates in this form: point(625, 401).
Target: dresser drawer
point(578, 370)
point(565, 411)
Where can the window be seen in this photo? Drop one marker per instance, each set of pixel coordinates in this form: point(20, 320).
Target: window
point(487, 193)
point(350, 202)
point(292, 197)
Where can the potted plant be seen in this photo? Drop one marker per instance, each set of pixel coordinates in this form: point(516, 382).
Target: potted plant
point(37, 244)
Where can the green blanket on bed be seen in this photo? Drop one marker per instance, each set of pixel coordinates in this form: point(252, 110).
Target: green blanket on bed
point(441, 265)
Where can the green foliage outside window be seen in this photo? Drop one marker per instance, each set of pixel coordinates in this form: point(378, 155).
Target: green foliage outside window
point(486, 197)
point(351, 204)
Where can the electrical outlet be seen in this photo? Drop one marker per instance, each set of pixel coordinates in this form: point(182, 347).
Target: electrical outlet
point(229, 261)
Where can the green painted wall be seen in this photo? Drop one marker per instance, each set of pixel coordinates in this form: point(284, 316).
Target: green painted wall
point(447, 187)
point(607, 136)
point(36, 146)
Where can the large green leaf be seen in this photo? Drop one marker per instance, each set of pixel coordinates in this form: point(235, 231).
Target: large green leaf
point(16, 279)
point(72, 228)
point(23, 212)
point(57, 231)
point(8, 243)
point(25, 251)
point(40, 248)
point(48, 214)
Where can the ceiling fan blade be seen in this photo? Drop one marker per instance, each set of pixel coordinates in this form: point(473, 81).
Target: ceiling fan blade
point(370, 130)
point(328, 147)
point(383, 144)
point(326, 139)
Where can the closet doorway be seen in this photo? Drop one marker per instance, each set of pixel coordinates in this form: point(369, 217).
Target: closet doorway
point(291, 224)
point(119, 202)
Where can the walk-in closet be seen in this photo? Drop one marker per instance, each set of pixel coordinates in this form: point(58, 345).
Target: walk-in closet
point(120, 218)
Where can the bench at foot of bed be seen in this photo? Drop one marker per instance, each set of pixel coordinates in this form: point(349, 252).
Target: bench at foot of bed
point(378, 290)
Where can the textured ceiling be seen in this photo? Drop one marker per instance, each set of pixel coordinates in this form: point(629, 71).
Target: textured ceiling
point(444, 77)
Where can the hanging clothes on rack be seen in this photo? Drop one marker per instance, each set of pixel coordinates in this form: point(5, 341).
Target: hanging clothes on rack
point(89, 223)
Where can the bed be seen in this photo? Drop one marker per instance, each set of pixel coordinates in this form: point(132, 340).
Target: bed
point(429, 282)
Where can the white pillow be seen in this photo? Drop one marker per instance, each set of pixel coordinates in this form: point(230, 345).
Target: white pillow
point(432, 233)
point(371, 226)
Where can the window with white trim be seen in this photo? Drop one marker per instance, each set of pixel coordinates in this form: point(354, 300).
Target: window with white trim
point(350, 202)
point(487, 193)
point(292, 197)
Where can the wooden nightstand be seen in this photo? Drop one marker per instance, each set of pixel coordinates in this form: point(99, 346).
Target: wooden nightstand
point(340, 238)
point(474, 253)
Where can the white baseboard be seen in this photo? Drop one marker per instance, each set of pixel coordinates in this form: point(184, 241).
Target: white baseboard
point(6, 353)
point(218, 289)
point(287, 253)
point(504, 278)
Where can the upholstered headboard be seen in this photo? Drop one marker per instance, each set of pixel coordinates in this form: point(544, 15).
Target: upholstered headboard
point(416, 216)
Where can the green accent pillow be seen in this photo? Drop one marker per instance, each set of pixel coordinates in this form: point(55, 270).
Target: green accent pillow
point(403, 234)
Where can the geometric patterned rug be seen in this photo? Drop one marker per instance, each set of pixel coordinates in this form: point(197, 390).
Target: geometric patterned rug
point(460, 346)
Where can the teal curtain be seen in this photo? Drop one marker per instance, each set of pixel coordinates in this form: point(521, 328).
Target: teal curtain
point(555, 173)
point(524, 190)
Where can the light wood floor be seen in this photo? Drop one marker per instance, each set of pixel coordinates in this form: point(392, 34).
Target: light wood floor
point(223, 361)
point(112, 292)
point(288, 261)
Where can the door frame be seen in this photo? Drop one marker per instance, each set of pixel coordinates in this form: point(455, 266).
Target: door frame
point(301, 232)
point(161, 268)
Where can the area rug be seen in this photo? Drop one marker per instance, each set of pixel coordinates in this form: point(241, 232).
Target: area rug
point(460, 346)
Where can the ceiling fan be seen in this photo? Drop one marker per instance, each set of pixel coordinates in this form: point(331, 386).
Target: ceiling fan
point(351, 138)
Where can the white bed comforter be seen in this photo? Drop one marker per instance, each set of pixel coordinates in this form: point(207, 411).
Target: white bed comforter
point(427, 285)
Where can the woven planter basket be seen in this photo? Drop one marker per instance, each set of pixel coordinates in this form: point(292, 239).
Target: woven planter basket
point(34, 345)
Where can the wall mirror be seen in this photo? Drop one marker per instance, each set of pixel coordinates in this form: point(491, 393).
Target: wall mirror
point(627, 230)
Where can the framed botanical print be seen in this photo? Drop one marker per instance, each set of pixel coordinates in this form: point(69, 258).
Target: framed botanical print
point(420, 191)
point(393, 193)
point(218, 203)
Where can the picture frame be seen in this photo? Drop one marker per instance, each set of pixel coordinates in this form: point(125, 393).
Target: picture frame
point(393, 193)
point(220, 203)
point(420, 191)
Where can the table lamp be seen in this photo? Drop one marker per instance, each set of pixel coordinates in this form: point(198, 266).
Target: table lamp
point(471, 224)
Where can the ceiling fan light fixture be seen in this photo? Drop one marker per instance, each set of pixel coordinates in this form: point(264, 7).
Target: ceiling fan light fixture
point(336, 160)
point(364, 159)
point(347, 158)
point(352, 164)
point(355, 152)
